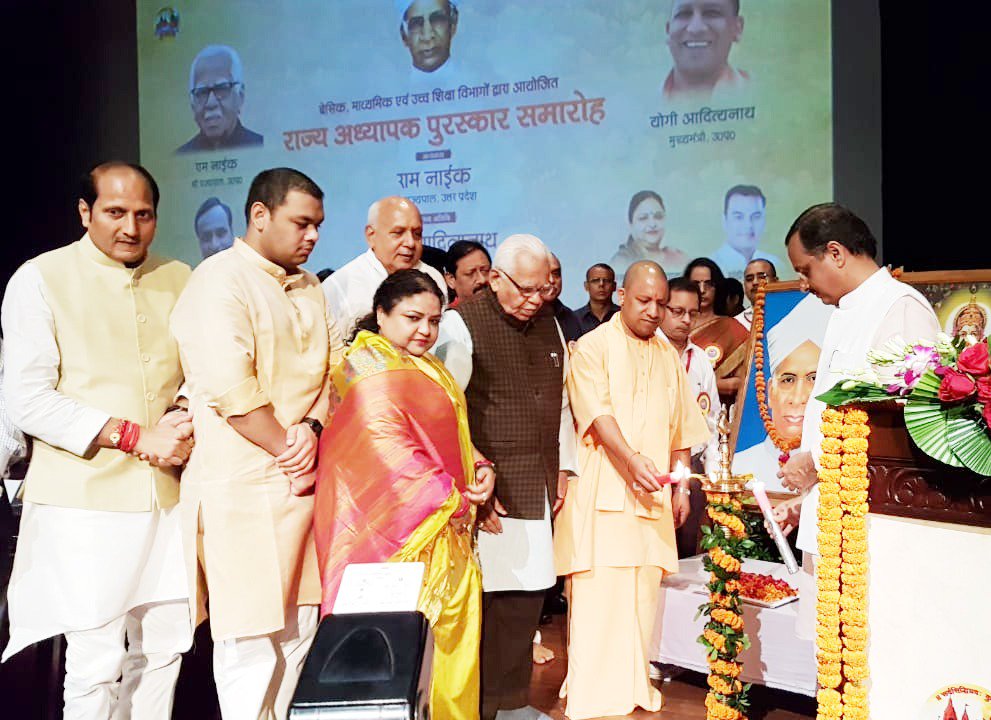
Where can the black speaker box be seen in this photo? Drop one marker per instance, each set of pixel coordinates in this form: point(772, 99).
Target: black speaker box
point(367, 666)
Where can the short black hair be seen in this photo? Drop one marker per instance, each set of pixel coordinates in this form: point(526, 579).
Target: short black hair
point(831, 222)
point(87, 183)
point(683, 284)
point(601, 266)
point(393, 290)
point(460, 249)
point(745, 191)
point(209, 204)
point(271, 187)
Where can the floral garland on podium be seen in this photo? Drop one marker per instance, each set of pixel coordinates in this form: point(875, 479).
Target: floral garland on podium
point(723, 636)
point(841, 574)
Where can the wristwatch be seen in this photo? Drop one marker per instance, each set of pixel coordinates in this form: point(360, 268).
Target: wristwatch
point(315, 425)
point(116, 435)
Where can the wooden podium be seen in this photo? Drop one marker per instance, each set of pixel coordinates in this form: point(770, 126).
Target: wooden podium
point(929, 547)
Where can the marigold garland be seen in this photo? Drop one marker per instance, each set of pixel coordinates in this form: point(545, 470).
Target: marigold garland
point(841, 576)
point(723, 637)
point(785, 445)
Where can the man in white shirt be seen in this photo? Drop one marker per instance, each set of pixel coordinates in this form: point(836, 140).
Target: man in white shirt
point(682, 309)
point(756, 270)
point(394, 233)
point(833, 252)
point(91, 373)
point(506, 349)
point(744, 208)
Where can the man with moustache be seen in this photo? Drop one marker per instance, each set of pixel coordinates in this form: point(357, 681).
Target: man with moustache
point(600, 284)
point(216, 96)
point(466, 269)
point(756, 271)
point(257, 347)
point(701, 34)
point(614, 538)
point(833, 251)
point(91, 372)
point(394, 233)
point(508, 353)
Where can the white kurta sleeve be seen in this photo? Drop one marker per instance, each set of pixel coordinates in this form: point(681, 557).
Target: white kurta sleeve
point(908, 319)
point(31, 370)
point(454, 347)
point(338, 307)
point(710, 456)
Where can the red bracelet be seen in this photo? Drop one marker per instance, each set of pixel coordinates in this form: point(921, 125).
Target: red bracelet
point(484, 463)
point(129, 434)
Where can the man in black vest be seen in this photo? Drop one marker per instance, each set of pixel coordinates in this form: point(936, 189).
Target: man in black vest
point(505, 348)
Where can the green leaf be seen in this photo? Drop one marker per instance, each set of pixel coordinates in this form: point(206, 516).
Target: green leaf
point(926, 420)
point(860, 392)
point(969, 440)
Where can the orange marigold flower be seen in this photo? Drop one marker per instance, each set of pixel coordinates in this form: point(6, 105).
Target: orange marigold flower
point(832, 430)
point(832, 416)
point(832, 445)
point(829, 460)
point(855, 459)
point(860, 510)
point(829, 679)
point(854, 483)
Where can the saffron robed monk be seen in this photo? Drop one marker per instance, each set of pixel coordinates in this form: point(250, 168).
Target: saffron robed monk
point(398, 478)
point(257, 346)
point(91, 373)
point(636, 418)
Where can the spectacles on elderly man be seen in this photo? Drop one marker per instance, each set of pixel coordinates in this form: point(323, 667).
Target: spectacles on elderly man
point(545, 291)
point(222, 91)
point(439, 21)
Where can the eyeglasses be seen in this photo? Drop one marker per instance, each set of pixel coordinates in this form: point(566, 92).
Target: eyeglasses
point(677, 313)
point(439, 22)
point(545, 291)
point(221, 91)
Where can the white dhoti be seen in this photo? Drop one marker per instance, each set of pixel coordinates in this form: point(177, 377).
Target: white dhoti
point(96, 577)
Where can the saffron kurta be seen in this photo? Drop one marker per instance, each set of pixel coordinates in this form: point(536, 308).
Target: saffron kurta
point(612, 543)
point(394, 461)
point(249, 335)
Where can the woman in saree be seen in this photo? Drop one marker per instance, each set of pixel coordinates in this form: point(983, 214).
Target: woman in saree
point(398, 478)
point(723, 339)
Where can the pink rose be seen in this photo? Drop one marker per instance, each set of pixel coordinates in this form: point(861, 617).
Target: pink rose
point(974, 359)
point(955, 386)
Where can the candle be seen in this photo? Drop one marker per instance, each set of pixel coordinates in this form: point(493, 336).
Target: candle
point(779, 537)
point(679, 473)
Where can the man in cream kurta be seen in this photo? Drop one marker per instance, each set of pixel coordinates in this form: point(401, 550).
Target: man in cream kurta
point(833, 252)
point(394, 234)
point(614, 537)
point(257, 349)
point(99, 556)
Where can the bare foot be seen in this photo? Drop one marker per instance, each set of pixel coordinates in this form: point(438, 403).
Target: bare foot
point(542, 655)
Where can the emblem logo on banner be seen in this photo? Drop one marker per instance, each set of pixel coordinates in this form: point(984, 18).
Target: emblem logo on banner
point(956, 702)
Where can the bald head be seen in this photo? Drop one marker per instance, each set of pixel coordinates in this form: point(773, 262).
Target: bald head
point(644, 270)
point(394, 233)
point(643, 297)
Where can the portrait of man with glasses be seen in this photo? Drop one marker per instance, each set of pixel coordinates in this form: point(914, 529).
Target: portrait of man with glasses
point(427, 28)
point(216, 95)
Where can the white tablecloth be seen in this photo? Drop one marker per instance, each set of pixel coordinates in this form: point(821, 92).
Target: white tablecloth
point(776, 658)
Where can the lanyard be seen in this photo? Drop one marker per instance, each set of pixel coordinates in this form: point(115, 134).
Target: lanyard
point(688, 362)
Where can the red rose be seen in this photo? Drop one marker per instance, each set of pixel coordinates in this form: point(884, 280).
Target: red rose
point(987, 414)
point(974, 359)
point(984, 390)
point(955, 386)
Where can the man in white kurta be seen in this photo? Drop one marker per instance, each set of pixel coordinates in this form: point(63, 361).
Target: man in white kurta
point(99, 556)
point(512, 330)
point(833, 252)
point(257, 349)
point(394, 234)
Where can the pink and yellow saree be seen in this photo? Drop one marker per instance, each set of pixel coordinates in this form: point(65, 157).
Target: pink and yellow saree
point(393, 462)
